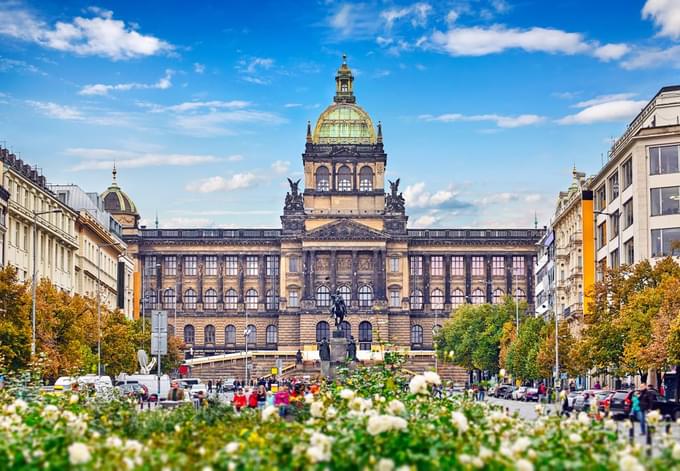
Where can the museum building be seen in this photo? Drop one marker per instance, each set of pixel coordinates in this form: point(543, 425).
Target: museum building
point(345, 232)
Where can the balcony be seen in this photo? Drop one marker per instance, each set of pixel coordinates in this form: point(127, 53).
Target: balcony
point(562, 253)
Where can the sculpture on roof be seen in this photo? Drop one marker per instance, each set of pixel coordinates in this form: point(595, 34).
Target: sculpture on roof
point(294, 200)
point(395, 202)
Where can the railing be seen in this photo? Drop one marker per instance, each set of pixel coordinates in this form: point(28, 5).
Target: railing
point(43, 223)
point(632, 128)
point(529, 234)
point(211, 233)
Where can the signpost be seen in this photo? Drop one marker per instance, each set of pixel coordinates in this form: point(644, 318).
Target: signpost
point(159, 339)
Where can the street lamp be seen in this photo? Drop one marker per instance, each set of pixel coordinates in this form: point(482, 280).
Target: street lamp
point(99, 304)
point(35, 269)
point(246, 334)
point(618, 231)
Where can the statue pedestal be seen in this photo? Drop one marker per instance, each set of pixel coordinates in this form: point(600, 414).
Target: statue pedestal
point(338, 348)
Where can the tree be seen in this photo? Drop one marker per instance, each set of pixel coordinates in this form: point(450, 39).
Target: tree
point(521, 358)
point(546, 351)
point(15, 321)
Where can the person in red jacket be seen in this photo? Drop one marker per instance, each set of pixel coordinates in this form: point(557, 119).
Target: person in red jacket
point(252, 398)
point(239, 400)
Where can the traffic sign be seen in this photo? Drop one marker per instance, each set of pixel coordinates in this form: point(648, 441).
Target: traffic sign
point(159, 321)
point(156, 343)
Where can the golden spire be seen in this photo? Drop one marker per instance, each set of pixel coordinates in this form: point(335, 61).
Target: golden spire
point(344, 80)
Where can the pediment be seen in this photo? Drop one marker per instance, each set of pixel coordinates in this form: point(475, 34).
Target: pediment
point(345, 230)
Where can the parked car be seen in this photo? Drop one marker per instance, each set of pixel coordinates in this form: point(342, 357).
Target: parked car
point(669, 409)
point(135, 390)
point(582, 400)
point(620, 403)
point(603, 400)
point(505, 391)
point(571, 397)
point(229, 384)
point(531, 394)
point(197, 388)
point(518, 394)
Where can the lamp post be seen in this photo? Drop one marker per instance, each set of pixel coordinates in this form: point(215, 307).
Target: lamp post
point(557, 350)
point(35, 271)
point(99, 304)
point(246, 334)
point(618, 231)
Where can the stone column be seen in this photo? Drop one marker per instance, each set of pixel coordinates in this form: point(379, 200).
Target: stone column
point(312, 271)
point(489, 286)
point(332, 268)
point(241, 272)
point(220, 279)
point(354, 275)
point(468, 278)
point(179, 277)
point(426, 279)
point(376, 275)
point(447, 279)
point(200, 266)
point(508, 275)
point(261, 272)
point(382, 278)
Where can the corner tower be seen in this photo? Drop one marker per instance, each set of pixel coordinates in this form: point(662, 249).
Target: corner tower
point(120, 205)
point(344, 162)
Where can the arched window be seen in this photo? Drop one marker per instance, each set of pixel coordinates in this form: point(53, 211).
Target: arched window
point(416, 335)
point(416, 299)
point(437, 299)
point(498, 295)
point(323, 331)
point(169, 298)
point(230, 335)
point(478, 296)
point(230, 299)
point(252, 336)
point(189, 334)
point(322, 179)
point(365, 335)
point(344, 178)
point(366, 179)
point(519, 294)
point(209, 334)
point(323, 296)
point(457, 298)
point(190, 299)
point(365, 296)
point(272, 300)
point(272, 335)
point(210, 299)
point(346, 293)
point(150, 299)
point(251, 299)
point(346, 329)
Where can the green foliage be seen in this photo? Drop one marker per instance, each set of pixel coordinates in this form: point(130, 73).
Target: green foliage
point(522, 357)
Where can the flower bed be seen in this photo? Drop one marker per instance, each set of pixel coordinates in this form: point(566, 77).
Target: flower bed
point(375, 418)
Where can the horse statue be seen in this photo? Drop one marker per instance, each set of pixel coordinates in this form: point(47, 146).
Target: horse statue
point(338, 309)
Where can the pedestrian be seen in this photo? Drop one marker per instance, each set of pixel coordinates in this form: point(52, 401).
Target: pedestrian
point(252, 398)
point(298, 357)
point(564, 401)
point(635, 408)
point(240, 400)
point(210, 385)
point(282, 400)
point(541, 392)
point(645, 406)
point(175, 393)
point(482, 390)
point(597, 385)
point(261, 396)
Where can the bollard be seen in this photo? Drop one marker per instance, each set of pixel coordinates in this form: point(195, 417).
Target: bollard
point(649, 441)
point(668, 429)
point(631, 434)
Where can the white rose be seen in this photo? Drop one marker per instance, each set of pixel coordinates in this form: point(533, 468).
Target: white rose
point(630, 463)
point(524, 465)
point(114, 442)
point(385, 464)
point(347, 394)
point(50, 412)
point(521, 445)
point(432, 378)
point(460, 421)
point(73, 399)
point(20, 404)
point(418, 385)
point(485, 453)
point(331, 412)
point(575, 438)
point(316, 409)
point(232, 447)
point(269, 413)
point(78, 453)
point(676, 451)
point(583, 418)
point(654, 417)
point(396, 407)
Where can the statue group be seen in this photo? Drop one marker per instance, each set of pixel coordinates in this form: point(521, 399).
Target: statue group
point(338, 311)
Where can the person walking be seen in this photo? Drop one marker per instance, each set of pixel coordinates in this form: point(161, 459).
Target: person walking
point(240, 400)
point(210, 386)
point(252, 398)
point(541, 392)
point(261, 396)
point(645, 405)
point(597, 385)
point(175, 393)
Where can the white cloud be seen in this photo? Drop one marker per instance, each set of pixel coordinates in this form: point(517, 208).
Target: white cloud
point(427, 220)
point(533, 198)
point(604, 99)
point(418, 13)
point(280, 167)
point(252, 68)
point(235, 158)
point(13, 64)
point(237, 181)
point(500, 120)
point(418, 196)
point(610, 52)
point(100, 35)
point(214, 123)
point(292, 105)
point(163, 83)
point(357, 21)
point(178, 221)
point(197, 105)
point(104, 159)
point(54, 110)
point(199, 68)
point(498, 198)
point(616, 110)
point(665, 14)
point(651, 58)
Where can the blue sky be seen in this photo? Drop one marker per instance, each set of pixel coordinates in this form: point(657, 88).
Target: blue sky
point(486, 105)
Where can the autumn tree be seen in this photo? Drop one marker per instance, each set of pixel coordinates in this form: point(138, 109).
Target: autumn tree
point(546, 351)
point(15, 320)
point(521, 357)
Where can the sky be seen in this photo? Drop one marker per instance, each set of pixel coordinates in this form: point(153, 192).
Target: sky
point(486, 105)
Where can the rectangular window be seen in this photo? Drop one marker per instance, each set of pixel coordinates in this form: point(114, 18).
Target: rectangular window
point(614, 225)
point(395, 298)
point(437, 266)
point(477, 266)
point(394, 264)
point(293, 298)
point(170, 266)
point(665, 241)
point(211, 265)
point(17, 234)
point(149, 265)
point(629, 249)
point(665, 200)
point(498, 266)
point(457, 266)
point(518, 266)
point(614, 258)
point(294, 264)
point(601, 235)
point(190, 265)
point(601, 198)
point(627, 172)
point(628, 213)
point(416, 265)
point(231, 265)
point(272, 263)
point(251, 266)
point(614, 186)
point(663, 160)
point(25, 238)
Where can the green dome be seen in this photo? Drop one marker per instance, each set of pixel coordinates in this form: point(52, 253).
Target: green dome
point(344, 123)
point(116, 201)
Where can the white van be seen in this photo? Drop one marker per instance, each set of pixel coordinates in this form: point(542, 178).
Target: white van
point(150, 381)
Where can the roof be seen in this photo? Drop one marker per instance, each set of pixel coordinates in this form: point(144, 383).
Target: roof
point(116, 200)
point(344, 123)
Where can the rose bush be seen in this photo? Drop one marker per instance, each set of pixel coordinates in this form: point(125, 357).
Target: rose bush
point(376, 418)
